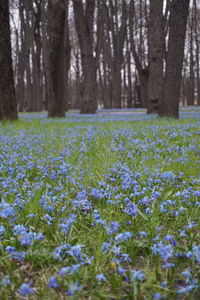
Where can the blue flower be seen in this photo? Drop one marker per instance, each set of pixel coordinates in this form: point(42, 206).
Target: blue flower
point(167, 265)
point(6, 210)
point(63, 271)
point(53, 282)
point(157, 296)
point(137, 275)
point(67, 223)
point(5, 281)
point(105, 247)
point(123, 236)
point(74, 287)
point(25, 289)
point(112, 227)
point(186, 289)
point(121, 270)
point(2, 230)
point(196, 251)
point(101, 277)
point(165, 251)
point(167, 175)
point(19, 256)
point(164, 284)
point(131, 209)
point(142, 234)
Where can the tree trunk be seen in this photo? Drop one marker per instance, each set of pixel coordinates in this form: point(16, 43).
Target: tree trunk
point(197, 56)
point(130, 85)
point(8, 106)
point(57, 58)
point(26, 25)
point(174, 62)
point(191, 85)
point(36, 14)
point(89, 101)
point(156, 54)
point(84, 19)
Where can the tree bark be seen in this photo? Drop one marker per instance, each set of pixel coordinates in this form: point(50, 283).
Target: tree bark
point(191, 83)
point(57, 58)
point(156, 54)
point(8, 105)
point(174, 62)
point(197, 56)
point(84, 19)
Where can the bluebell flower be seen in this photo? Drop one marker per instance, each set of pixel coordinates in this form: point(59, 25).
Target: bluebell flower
point(125, 236)
point(25, 289)
point(165, 251)
point(164, 284)
point(19, 230)
point(116, 250)
point(31, 216)
point(168, 237)
point(186, 289)
point(189, 254)
point(196, 251)
point(128, 223)
point(190, 225)
point(121, 270)
point(74, 268)
point(137, 275)
point(148, 211)
point(67, 223)
point(49, 219)
point(63, 271)
point(167, 175)
point(61, 251)
point(182, 233)
point(105, 247)
point(17, 255)
point(2, 230)
point(131, 209)
point(75, 252)
point(112, 227)
point(167, 265)
point(142, 234)
point(101, 277)
point(125, 257)
point(6, 210)
point(53, 282)
point(157, 296)
point(87, 260)
point(5, 281)
point(74, 287)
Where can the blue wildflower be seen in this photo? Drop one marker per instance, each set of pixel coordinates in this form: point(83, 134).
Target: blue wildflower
point(74, 287)
point(123, 236)
point(105, 247)
point(101, 277)
point(113, 227)
point(25, 289)
point(137, 275)
point(196, 251)
point(131, 209)
point(5, 281)
point(53, 282)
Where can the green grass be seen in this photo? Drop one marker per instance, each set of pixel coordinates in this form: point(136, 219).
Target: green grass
point(45, 165)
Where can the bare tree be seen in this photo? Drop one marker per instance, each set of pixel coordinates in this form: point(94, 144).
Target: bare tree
point(156, 54)
point(84, 22)
point(8, 107)
point(175, 55)
point(197, 44)
point(58, 58)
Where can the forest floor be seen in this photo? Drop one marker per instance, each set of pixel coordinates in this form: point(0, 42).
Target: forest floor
point(100, 207)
